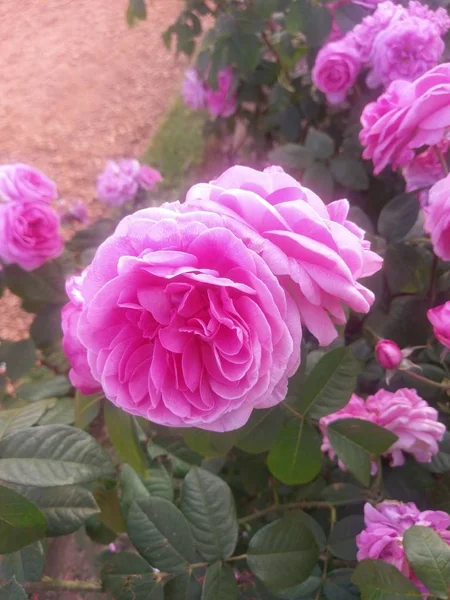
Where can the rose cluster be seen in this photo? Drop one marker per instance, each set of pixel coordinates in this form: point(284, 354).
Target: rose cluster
point(120, 181)
point(395, 42)
point(29, 226)
point(191, 314)
point(220, 101)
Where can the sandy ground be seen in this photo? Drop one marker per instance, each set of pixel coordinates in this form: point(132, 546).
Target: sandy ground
point(79, 86)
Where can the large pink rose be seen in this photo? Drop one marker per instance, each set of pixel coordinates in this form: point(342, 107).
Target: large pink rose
point(407, 116)
point(439, 317)
point(437, 217)
point(222, 102)
point(183, 324)
point(29, 234)
point(22, 183)
point(314, 249)
point(80, 373)
point(336, 69)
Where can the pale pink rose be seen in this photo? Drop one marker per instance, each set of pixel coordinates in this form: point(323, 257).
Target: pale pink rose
point(118, 183)
point(440, 17)
point(336, 69)
point(424, 170)
point(407, 116)
point(22, 183)
point(388, 354)
point(222, 102)
point(29, 234)
point(385, 525)
point(403, 413)
point(406, 49)
point(366, 32)
point(193, 90)
point(80, 373)
point(311, 246)
point(148, 177)
point(183, 325)
point(439, 317)
point(437, 217)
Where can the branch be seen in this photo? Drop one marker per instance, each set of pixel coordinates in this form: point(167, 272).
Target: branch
point(48, 584)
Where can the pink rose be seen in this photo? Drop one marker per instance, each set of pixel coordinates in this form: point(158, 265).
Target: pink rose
point(388, 354)
point(193, 90)
point(29, 234)
point(365, 33)
point(385, 525)
point(222, 102)
point(439, 317)
point(184, 325)
point(424, 170)
point(22, 183)
point(407, 116)
point(118, 183)
point(300, 237)
point(80, 373)
point(148, 177)
point(437, 217)
point(73, 211)
point(336, 69)
point(439, 17)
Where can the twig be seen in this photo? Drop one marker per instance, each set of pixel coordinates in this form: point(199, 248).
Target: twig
point(442, 386)
point(48, 584)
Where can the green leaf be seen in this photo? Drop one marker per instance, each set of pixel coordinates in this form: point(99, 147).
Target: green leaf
point(320, 144)
point(317, 23)
point(329, 386)
point(11, 590)
point(161, 534)
point(157, 483)
point(245, 50)
point(65, 508)
point(182, 457)
point(316, 529)
point(220, 583)
point(440, 463)
point(338, 586)
point(209, 443)
point(318, 178)
point(136, 11)
point(21, 521)
point(52, 455)
point(182, 587)
point(122, 432)
point(92, 236)
point(407, 269)
point(48, 388)
point(87, 409)
point(208, 505)
point(127, 576)
point(429, 556)
point(398, 217)
point(261, 430)
point(283, 554)
point(379, 580)
point(349, 15)
point(296, 457)
point(293, 156)
point(342, 541)
point(24, 416)
point(350, 173)
point(19, 357)
point(357, 443)
point(26, 564)
point(62, 412)
point(110, 513)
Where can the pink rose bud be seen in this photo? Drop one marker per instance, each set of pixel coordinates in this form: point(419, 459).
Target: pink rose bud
point(388, 354)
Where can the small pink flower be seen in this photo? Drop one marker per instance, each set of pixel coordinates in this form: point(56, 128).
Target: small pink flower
point(437, 217)
point(424, 170)
point(388, 354)
point(29, 234)
point(222, 102)
point(404, 413)
point(148, 177)
point(439, 317)
point(336, 69)
point(193, 90)
point(22, 183)
point(118, 183)
point(385, 525)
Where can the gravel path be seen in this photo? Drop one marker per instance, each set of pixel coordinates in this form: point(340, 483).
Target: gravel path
point(79, 86)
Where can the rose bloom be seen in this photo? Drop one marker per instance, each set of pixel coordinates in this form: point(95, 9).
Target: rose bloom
point(385, 525)
point(404, 413)
point(73, 211)
point(193, 90)
point(118, 183)
point(312, 247)
point(424, 170)
point(148, 177)
point(80, 373)
point(407, 116)
point(388, 354)
point(336, 69)
point(439, 317)
point(29, 234)
point(437, 217)
point(22, 183)
point(365, 33)
point(183, 324)
point(222, 102)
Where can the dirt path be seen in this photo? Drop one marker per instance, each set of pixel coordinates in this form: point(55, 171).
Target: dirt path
point(79, 86)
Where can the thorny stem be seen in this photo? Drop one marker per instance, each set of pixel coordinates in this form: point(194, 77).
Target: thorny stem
point(433, 279)
point(49, 584)
point(206, 564)
point(442, 386)
point(272, 48)
point(326, 558)
point(292, 411)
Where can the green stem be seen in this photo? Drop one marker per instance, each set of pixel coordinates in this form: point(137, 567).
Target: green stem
point(292, 411)
point(203, 565)
point(48, 584)
point(326, 558)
